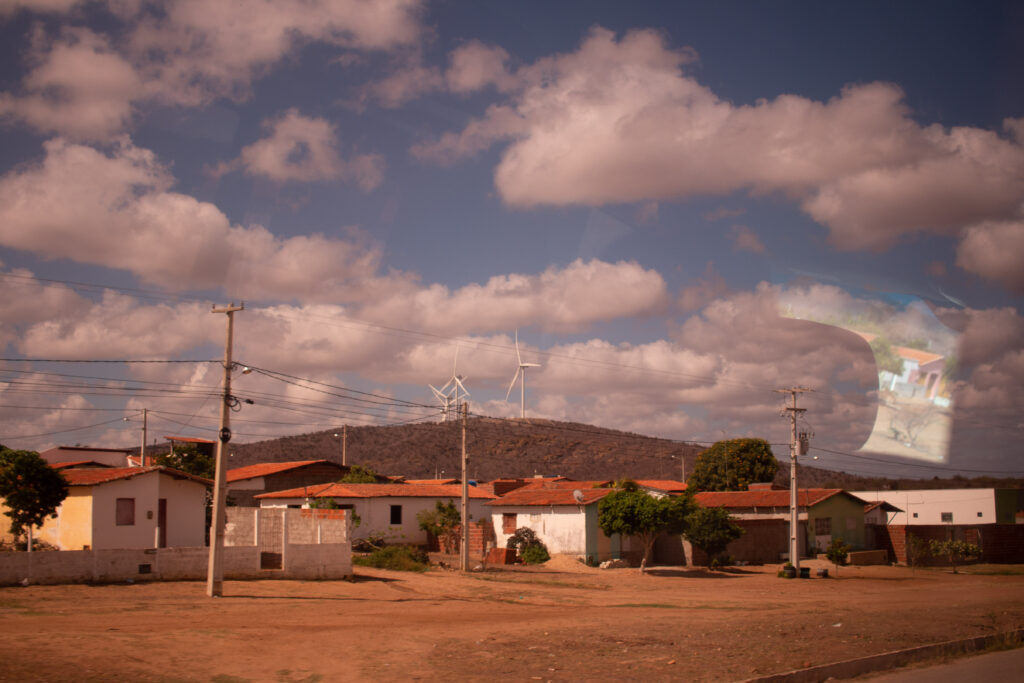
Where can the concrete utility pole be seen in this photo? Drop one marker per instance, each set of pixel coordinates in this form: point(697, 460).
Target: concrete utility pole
point(142, 453)
point(344, 440)
point(464, 550)
point(215, 569)
point(794, 528)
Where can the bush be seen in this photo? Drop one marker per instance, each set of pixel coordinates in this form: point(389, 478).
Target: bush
point(402, 558)
point(837, 553)
point(536, 554)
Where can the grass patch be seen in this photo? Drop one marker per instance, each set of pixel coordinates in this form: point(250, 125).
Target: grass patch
point(402, 558)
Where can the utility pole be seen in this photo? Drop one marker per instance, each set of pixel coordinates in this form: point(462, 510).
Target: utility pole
point(794, 529)
point(215, 569)
point(344, 440)
point(142, 452)
point(464, 550)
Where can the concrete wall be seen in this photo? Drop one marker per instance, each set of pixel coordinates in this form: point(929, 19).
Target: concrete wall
point(186, 511)
point(998, 542)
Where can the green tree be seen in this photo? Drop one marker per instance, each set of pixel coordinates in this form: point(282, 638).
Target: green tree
point(188, 459)
point(955, 551)
point(918, 551)
point(711, 530)
point(837, 552)
point(323, 504)
point(31, 489)
point(885, 357)
point(358, 474)
point(632, 512)
point(443, 522)
point(733, 465)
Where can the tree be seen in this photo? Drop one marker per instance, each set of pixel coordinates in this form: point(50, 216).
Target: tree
point(190, 460)
point(733, 465)
point(632, 512)
point(323, 504)
point(711, 530)
point(837, 552)
point(443, 522)
point(528, 547)
point(955, 551)
point(918, 551)
point(358, 474)
point(886, 358)
point(31, 489)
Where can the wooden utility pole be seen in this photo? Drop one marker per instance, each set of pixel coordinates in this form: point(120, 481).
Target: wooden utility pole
point(794, 510)
point(464, 549)
point(215, 569)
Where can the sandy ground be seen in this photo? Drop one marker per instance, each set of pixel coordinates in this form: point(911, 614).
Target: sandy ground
point(555, 623)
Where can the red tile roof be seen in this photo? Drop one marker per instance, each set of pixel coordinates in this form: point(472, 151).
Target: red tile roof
point(529, 497)
point(432, 481)
point(266, 468)
point(377, 491)
point(97, 476)
point(662, 484)
point(563, 483)
point(762, 498)
point(77, 463)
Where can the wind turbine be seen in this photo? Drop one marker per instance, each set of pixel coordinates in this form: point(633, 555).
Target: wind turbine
point(521, 376)
point(453, 392)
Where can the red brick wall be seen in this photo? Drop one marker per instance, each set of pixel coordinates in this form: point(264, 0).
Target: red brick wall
point(999, 542)
point(323, 514)
point(480, 535)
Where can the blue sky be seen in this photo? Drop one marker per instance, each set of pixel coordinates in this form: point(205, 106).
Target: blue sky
point(652, 196)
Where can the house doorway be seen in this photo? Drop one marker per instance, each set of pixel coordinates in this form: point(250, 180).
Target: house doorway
point(161, 523)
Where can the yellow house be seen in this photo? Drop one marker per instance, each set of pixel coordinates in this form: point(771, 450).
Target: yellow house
point(129, 507)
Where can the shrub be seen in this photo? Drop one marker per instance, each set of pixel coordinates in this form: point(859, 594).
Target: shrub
point(536, 554)
point(837, 553)
point(403, 558)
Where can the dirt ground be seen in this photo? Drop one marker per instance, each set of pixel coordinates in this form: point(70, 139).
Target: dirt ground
point(560, 622)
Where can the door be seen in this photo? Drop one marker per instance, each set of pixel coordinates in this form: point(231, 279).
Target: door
point(161, 522)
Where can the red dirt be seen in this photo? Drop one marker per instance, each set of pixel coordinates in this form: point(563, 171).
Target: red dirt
point(556, 623)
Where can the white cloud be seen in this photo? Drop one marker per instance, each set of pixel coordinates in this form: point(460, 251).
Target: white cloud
point(746, 239)
point(994, 251)
point(117, 210)
point(475, 66)
point(304, 149)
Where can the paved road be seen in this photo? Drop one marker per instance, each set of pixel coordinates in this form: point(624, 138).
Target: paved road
point(995, 667)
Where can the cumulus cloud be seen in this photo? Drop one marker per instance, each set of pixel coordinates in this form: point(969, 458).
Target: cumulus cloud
point(187, 52)
point(994, 251)
point(620, 120)
point(117, 210)
point(304, 149)
point(745, 239)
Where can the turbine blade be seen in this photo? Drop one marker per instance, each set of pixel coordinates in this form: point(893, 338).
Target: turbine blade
point(518, 357)
point(455, 363)
point(529, 365)
point(514, 378)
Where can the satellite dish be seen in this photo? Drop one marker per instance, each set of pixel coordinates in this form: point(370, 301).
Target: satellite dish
point(578, 496)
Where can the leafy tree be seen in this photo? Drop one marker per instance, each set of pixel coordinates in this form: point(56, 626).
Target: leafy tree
point(885, 357)
point(918, 550)
point(635, 513)
point(733, 465)
point(358, 474)
point(528, 547)
point(711, 530)
point(323, 504)
point(189, 459)
point(31, 489)
point(837, 552)
point(955, 551)
point(443, 522)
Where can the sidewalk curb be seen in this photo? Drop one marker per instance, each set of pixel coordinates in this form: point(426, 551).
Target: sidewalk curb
point(890, 660)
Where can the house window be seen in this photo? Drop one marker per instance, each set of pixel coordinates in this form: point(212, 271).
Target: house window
point(396, 514)
point(823, 526)
point(915, 515)
point(947, 517)
point(125, 512)
point(980, 514)
point(508, 523)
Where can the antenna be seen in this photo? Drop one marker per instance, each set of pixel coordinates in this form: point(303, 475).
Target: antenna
point(578, 496)
point(521, 377)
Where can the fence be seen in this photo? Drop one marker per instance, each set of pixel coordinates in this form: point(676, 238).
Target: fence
point(313, 545)
point(998, 542)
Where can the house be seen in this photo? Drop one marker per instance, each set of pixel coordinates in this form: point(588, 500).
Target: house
point(245, 483)
point(204, 446)
point(991, 518)
point(129, 507)
point(563, 514)
point(763, 512)
point(388, 509)
point(662, 487)
point(112, 457)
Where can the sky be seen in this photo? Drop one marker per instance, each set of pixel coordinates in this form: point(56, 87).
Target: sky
point(677, 211)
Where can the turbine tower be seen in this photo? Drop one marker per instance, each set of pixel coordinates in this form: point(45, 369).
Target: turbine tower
point(521, 376)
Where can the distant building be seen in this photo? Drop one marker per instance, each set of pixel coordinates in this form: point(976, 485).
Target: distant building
point(112, 457)
point(245, 483)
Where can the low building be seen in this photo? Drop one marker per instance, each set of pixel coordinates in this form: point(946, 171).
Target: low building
point(245, 483)
point(111, 457)
point(951, 506)
point(388, 509)
point(129, 507)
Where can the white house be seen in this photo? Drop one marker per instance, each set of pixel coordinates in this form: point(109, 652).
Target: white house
point(951, 506)
point(389, 509)
point(562, 515)
point(129, 507)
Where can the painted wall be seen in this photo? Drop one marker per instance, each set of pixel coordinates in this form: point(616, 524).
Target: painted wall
point(375, 514)
point(186, 511)
point(562, 528)
point(847, 517)
point(925, 507)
